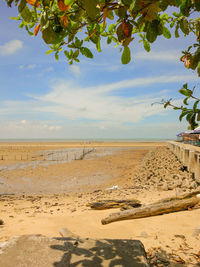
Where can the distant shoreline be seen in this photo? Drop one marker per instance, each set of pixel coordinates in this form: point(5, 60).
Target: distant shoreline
point(95, 140)
point(77, 144)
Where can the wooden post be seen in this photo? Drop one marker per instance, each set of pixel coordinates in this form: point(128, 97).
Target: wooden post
point(191, 162)
point(197, 166)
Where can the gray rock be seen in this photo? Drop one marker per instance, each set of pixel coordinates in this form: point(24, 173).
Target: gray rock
point(144, 234)
point(64, 232)
point(40, 251)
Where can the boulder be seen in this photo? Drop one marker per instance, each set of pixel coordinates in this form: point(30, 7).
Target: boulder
point(40, 251)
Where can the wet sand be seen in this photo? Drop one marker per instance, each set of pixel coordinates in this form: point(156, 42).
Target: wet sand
point(55, 196)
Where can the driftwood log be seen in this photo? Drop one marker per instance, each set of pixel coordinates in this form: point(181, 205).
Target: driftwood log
point(109, 204)
point(183, 196)
point(154, 209)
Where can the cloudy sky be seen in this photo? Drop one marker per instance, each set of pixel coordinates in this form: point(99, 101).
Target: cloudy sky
point(97, 98)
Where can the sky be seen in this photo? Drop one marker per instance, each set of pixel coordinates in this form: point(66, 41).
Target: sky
point(96, 98)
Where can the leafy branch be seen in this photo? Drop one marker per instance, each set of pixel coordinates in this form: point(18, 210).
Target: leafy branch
point(190, 111)
point(60, 21)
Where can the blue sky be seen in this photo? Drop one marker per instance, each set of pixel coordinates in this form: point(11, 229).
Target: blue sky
point(99, 98)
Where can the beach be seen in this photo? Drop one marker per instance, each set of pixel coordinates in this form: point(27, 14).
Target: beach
point(50, 186)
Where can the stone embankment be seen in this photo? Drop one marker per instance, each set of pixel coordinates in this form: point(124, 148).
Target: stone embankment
point(162, 170)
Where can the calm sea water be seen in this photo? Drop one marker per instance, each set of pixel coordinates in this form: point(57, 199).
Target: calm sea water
point(87, 140)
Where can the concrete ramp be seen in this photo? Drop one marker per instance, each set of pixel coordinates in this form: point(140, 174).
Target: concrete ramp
point(40, 251)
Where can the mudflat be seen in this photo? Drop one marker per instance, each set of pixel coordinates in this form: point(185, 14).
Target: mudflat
point(44, 195)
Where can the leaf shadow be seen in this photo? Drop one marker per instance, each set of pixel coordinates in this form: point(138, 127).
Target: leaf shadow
point(100, 253)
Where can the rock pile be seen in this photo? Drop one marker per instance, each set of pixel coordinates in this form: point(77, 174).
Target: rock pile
point(161, 170)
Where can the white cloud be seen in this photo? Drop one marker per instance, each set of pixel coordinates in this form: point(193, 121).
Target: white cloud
point(31, 66)
point(167, 55)
point(48, 69)
point(75, 69)
point(145, 81)
point(28, 129)
point(97, 103)
point(85, 130)
point(70, 101)
point(10, 48)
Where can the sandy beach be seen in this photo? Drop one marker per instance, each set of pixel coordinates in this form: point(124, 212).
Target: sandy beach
point(44, 195)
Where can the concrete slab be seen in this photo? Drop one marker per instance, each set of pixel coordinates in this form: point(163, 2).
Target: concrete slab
point(40, 251)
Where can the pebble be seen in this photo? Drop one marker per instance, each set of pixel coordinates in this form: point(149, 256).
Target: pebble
point(73, 210)
point(196, 232)
point(144, 234)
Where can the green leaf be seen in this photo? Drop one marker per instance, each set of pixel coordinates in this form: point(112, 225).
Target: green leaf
point(109, 39)
point(115, 40)
point(110, 15)
point(56, 56)
point(26, 14)
point(127, 2)
point(111, 28)
point(29, 32)
point(86, 52)
point(76, 53)
point(51, 37)
point(166, 104)
point(185, 7)
point(69, 2)
point(126, 55)
point(122, 11)
point(151, 34)
point(183, 114)
point(195, 105)
point(49, 52)
point(184, 25)
point(15, 18)
point(185, 86)
point(197, 5)
point(44, 22)
point(176, 31)
point(91, 8)
point(198, 116)
point(98, 45)
point(189, 115)
point(21, 25)
point(198, 69)
point(185, 101)
point(146, 45)
point(66, 53)
point(166, 33)
point(185, 92)
point(163, 4)
point(22, 5)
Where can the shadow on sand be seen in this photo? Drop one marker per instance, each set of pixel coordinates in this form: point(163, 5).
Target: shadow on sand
point(99, 253)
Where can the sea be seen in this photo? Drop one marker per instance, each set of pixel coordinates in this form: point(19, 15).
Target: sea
point(86, 140)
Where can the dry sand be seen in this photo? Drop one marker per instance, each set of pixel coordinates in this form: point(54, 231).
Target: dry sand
point(51, 197)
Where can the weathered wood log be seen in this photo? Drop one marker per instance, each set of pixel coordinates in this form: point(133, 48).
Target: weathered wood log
point(183, 196)
point(153, 209)
point(126, 207)
point(109, 204)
